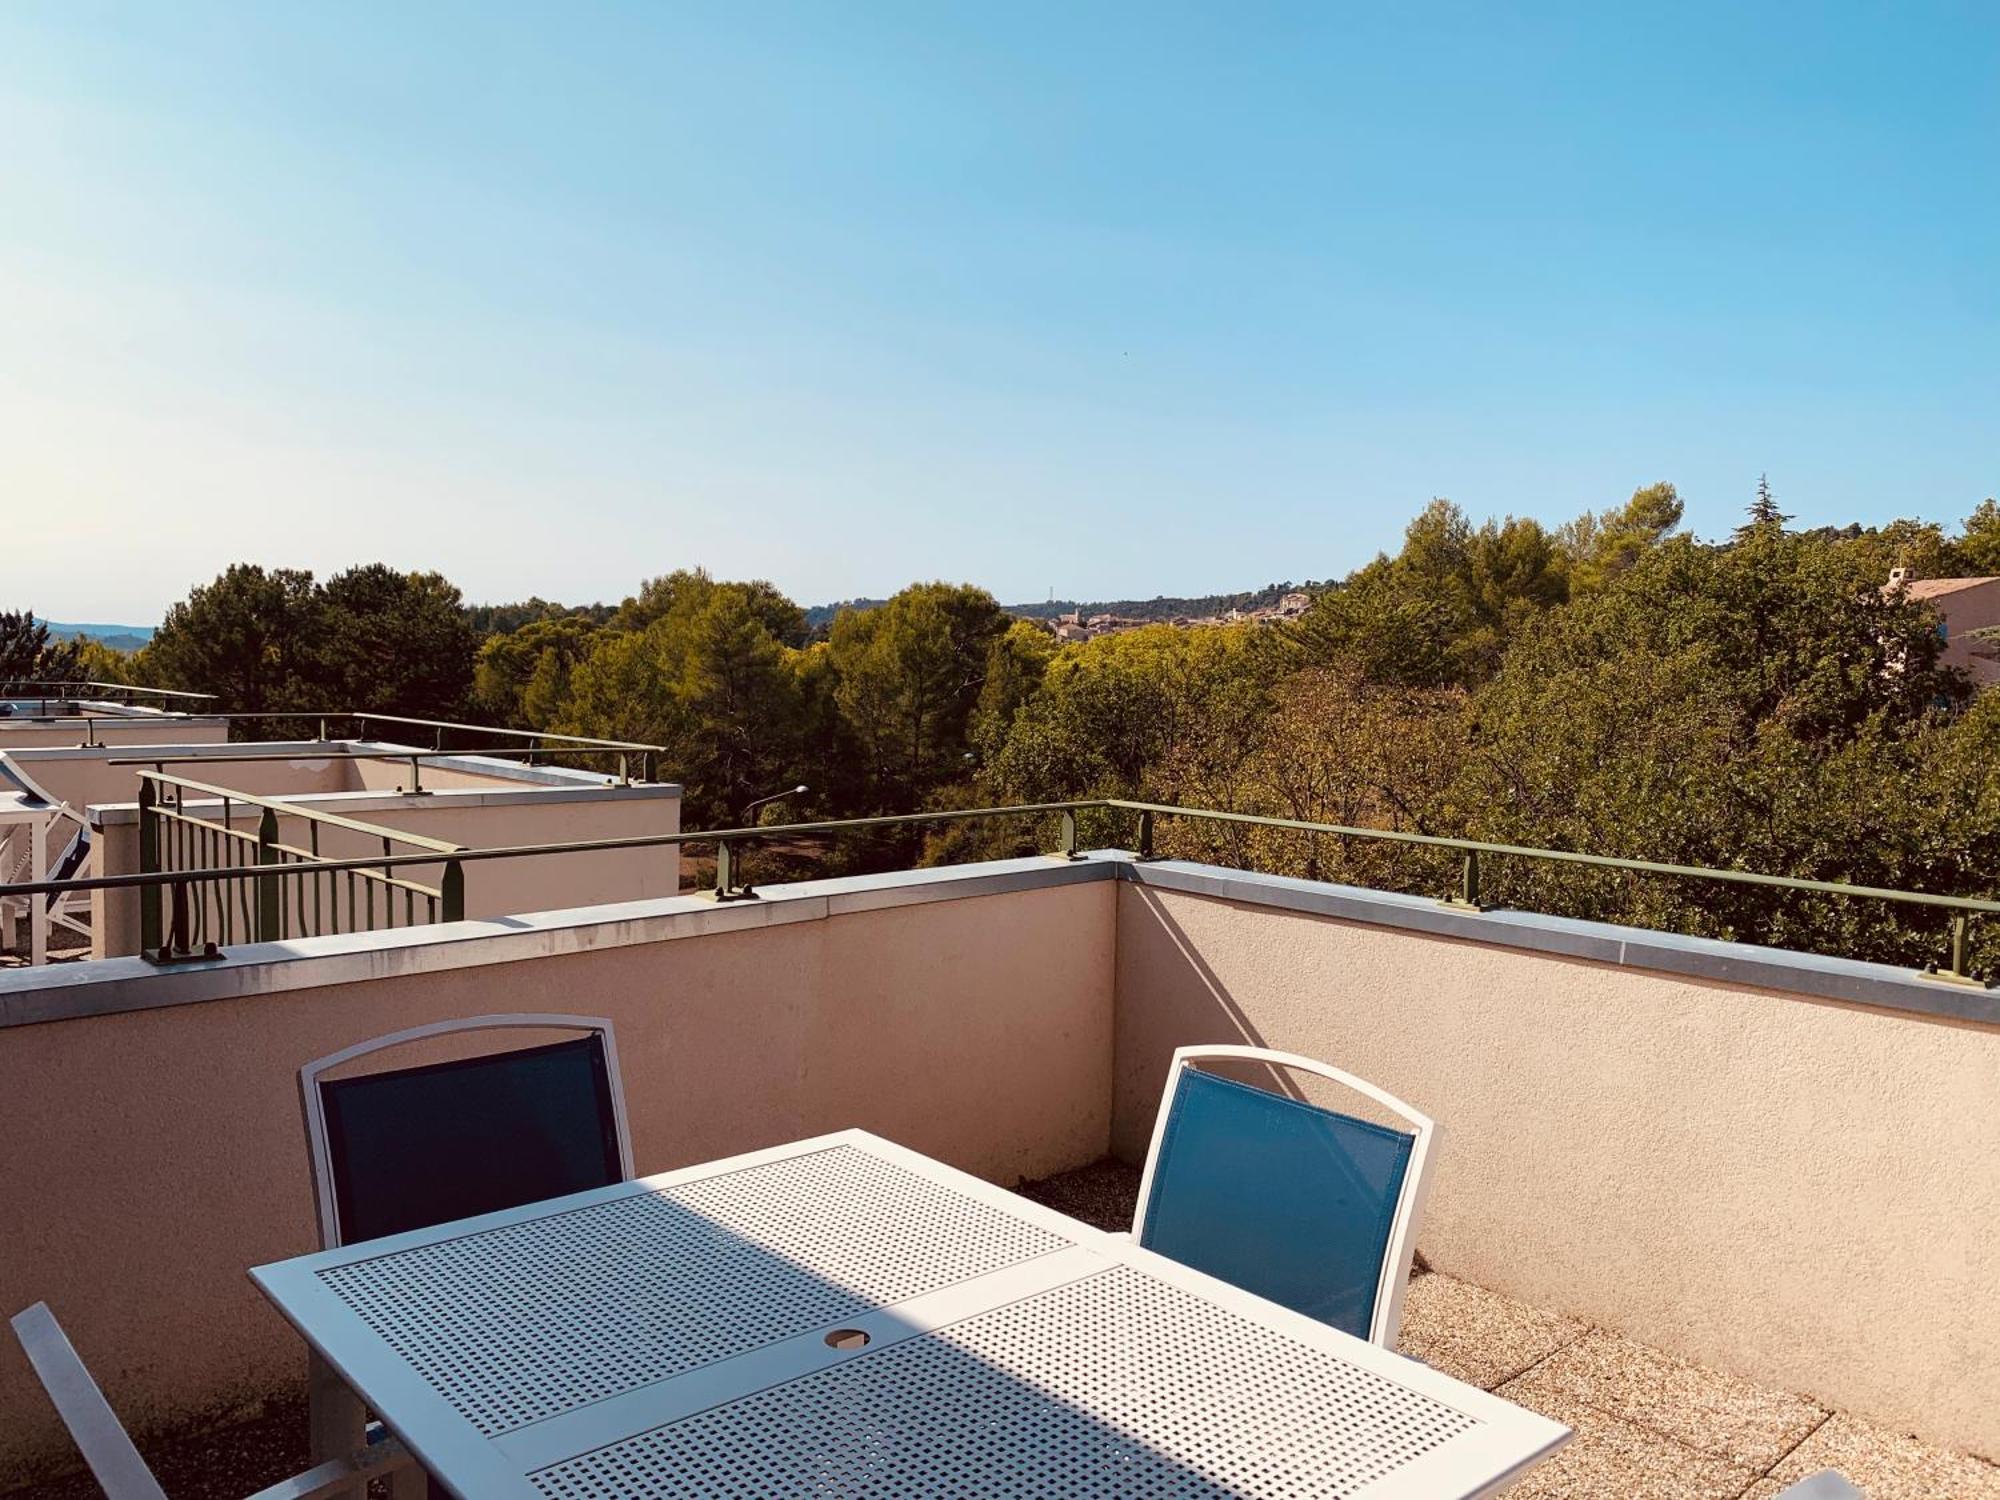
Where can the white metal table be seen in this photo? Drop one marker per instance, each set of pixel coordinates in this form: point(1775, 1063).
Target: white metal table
point(842, 1316)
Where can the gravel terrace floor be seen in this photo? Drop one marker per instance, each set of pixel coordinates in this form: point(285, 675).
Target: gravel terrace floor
point(1648, 1426)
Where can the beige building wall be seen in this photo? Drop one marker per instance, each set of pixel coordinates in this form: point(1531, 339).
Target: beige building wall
point(1801, 1191)
point(86, 778)
point(1964, 611)
point(474, 820)
point(25, 734)
point(152, 1156)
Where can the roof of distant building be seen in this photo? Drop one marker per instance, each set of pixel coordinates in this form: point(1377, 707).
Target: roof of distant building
point(1930, 588)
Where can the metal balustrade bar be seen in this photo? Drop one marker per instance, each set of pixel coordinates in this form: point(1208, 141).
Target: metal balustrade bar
point(729, 842)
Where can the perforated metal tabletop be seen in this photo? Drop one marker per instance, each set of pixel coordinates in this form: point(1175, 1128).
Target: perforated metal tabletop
point(845, 1317)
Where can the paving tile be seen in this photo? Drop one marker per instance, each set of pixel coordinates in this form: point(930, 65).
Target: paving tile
point(1102, 1194)
point(1612, 1459)
point(1889, 1466)
point(1475, 1335)
point(1721, 1415)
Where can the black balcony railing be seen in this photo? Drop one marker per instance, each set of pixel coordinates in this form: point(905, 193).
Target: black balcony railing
point(198, 904)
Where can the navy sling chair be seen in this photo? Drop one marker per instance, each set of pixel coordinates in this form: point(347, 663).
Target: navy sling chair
point(1311, 1208)
point(412, 1147)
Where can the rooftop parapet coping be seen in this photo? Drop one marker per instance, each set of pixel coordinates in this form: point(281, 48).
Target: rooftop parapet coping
point(35, 996)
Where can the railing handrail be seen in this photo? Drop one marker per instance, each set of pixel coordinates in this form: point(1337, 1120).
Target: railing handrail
point(366, 715)
point(43, 687)
point(1962, 906)
point(283, 808)
point(493, 752)
point(1569, 856)
point(577, 846)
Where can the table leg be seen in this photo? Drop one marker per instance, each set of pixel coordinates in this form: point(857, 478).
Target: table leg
point(335, 1419)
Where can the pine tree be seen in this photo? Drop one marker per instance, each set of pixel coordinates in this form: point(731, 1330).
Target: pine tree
point(1763, 511)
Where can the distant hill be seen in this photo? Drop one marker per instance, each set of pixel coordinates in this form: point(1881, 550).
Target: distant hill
point(1162, 607)
point(117, 637)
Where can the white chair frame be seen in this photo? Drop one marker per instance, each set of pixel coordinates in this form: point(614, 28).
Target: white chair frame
point(1402, 1246)
point(108, 1448)
point(315, 1105)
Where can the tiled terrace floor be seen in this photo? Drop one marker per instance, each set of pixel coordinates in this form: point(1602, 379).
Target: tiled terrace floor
point(1648, 1426)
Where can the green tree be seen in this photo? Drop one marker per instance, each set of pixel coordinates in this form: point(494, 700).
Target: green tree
point(909, 676)
point(1151, 711)
point(521, 678)
point(707, 679)
point(1752, 706)
point(1015, 665)
point(1604, 544)
point(1762, 510)
point(686, 588)
point(1979, 541)
point(97, 662)
point(27, 654)
point(251, 637)
point(1444, 608)
point(393, 642)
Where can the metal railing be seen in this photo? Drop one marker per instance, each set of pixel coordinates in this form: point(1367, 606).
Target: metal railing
point(730, 842)
point(66, 690)
point(540, 741)
point(415, 759)
point(203, 898)
point(67, 702)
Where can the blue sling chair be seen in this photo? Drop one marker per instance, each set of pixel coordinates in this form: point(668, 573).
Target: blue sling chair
point(406, 1148)
point(1313, 1209)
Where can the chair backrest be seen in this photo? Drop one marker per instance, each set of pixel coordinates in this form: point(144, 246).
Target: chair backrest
point(93, 1426)
point(1311, 1208)
point(412, 1147)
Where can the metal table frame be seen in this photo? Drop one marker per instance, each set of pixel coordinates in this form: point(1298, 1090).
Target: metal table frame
point(354, 1363)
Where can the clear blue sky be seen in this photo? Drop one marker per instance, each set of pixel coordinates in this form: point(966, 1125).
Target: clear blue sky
point(1109, 299)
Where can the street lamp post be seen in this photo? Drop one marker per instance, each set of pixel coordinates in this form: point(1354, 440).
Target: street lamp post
point(791, 791)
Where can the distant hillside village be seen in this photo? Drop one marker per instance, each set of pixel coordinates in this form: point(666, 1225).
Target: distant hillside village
point(1272, 602)
point(1078, 626)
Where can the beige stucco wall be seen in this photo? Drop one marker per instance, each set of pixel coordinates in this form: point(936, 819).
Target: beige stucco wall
point(1800, 1191)
point(150, 1157)
point(86, 778)
point(1963, 612)
point(25, 734)
point(488, 820)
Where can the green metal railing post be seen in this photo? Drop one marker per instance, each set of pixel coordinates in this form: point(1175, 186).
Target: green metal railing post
point(1468, 884)
point(149, 864)
point(1145, 840)
point(1961, 954)
point(451, 891)
point(269, 898)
